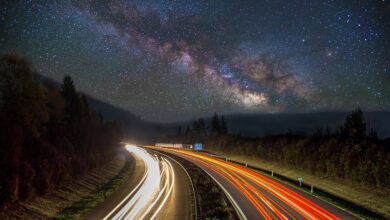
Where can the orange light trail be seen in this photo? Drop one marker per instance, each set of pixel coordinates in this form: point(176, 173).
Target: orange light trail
point(249, 183)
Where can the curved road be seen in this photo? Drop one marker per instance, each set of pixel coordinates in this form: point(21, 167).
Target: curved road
point(179, 203)
point(158, 189)
point(100, 211)
point(258, 196)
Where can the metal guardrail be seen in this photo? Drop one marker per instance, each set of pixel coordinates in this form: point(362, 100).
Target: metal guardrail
point(357, 210)
point(236, 207)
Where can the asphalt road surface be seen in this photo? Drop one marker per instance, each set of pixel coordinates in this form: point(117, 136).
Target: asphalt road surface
point(179, 204)
point(259, 197)
point(157, 189)
point(138, 171)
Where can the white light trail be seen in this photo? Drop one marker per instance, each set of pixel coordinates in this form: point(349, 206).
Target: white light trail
point(169, 192)
point(142, 200)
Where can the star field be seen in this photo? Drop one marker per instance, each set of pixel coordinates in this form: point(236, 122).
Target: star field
point(177, 60)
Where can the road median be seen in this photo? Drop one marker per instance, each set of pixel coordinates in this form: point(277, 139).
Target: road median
point(211, 202)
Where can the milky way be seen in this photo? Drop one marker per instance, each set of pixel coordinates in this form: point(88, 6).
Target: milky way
point(177, 60)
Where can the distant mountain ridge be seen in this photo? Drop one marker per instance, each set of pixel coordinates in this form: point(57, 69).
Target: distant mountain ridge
point(133, 127)
point(254, 125)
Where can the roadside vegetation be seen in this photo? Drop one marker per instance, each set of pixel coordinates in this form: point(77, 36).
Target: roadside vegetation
point(79, 209)
point(49, 136)
point(49, 206)
point(351, 162)
point(344, 195)
point(211, 201)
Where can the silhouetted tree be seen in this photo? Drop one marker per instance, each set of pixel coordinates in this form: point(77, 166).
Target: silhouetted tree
point(349, 154)
point(354, 125)
point(47, 136)
point(202, 126)
point(199, 128)
point(372, 134)
point(318, 133)
point(84, 106)
point(188, 130)
point(223, 128)
point(23, 115)
point(74, 104)
point(179, 130)
point(68, 90)
point(327, 131)
point(215, 126)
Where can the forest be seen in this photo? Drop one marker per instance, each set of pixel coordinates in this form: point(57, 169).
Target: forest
point(49, 135)
point(353, 152)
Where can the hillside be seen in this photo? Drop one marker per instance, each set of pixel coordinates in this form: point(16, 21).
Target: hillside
point(133, 127)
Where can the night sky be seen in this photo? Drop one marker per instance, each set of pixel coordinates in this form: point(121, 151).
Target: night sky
point(177, 60)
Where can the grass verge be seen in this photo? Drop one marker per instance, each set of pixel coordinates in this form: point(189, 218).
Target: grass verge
point(361, 202)
point(82, 207)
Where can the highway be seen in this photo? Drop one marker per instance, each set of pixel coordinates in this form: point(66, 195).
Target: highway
point(159, 190)
point(257, 196)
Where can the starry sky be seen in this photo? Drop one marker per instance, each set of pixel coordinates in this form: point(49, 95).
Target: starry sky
point(177, 60)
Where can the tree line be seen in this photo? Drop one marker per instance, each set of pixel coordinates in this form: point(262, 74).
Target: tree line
point(200, 130)
point(353, 152)
point(49, 135)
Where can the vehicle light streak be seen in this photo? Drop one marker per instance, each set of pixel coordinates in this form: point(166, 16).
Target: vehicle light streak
point(169, 192)
point(171, 180)
point(264, 193)
point(156, 185)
